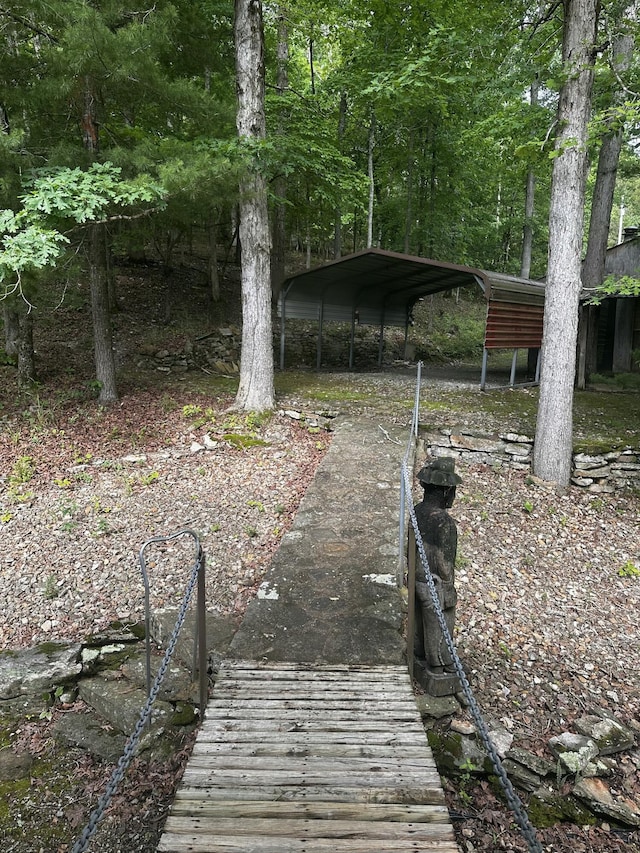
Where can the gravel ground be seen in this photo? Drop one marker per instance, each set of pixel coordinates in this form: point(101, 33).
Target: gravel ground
point(548, 610)
point(75, 514)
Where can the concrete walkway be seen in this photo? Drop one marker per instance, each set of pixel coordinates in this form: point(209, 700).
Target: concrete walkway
point(330, 595)
point(312, 741)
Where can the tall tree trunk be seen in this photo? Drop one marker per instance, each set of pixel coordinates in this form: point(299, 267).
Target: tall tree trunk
point(280, 184)
point(26, 359)
point(11, 320)
point(408, 215)
point(98, 280)
point(212, 273)
point(372, 139)
point(256, 389)
point(593, 268)
point(554, 428)
point(101, 316)
point(529, 205)
point(342, 124)
point(110, 272)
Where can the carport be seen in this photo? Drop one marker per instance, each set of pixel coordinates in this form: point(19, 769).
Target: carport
point(379, 288)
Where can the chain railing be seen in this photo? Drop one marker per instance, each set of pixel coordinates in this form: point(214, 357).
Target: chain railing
point(416, 543)
point(196, 578)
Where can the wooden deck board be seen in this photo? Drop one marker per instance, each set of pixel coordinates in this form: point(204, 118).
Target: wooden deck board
point(297, 758)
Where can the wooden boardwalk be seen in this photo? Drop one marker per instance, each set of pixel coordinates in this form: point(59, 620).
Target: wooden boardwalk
point(296, 758)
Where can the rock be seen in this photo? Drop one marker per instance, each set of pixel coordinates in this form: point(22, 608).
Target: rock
point(220, 631)
point(120, 703)
point(453, 752)
point(464, 727)
point(176, 685)
point(40, 670)
point(14, 765)
point(534, 763)
point(501, 740)
point(437, 707)
point(90, 734)
point(209, 443)
point(574, 752)
point(521, 776)
point(609, 735)
point(597, 796)
point(196, 447)
point(478, 443)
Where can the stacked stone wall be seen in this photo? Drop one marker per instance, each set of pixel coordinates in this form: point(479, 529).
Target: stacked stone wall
point(601, 472)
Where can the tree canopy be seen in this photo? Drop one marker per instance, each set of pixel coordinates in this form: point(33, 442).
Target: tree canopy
point(417, 127)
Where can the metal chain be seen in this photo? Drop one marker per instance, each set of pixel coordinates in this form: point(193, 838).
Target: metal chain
point(522, 819)
point(125, 760)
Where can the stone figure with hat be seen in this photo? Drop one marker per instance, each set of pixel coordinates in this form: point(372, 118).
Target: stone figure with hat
point(434, 668)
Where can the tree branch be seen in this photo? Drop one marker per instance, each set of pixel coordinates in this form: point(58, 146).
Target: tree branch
point(25, 23)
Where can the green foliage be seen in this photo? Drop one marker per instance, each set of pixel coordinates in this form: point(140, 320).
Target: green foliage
point(616, 285)
point(86, 195)
point(629, 570)
point(32, 239)
point(50, 590)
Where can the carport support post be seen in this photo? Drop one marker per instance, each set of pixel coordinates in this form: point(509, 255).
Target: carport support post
point(320, 325)
point(381, 344)
point(352, 339)
point(514, 361)
point(282, 330)
point(483, 375)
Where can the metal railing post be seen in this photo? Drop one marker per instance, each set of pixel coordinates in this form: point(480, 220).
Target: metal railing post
point(202, 638)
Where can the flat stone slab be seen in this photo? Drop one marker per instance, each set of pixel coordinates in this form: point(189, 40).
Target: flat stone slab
point(330, 595)
point(88, 733)
point(37, 671)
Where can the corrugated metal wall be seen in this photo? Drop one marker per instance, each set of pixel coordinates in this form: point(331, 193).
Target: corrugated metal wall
point(513, 325)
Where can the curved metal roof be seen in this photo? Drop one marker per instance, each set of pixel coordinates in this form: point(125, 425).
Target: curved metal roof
point(380, 287)
point(377, 287)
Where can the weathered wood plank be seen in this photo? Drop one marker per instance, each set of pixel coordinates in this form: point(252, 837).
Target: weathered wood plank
point(190, 843)
point(290, 710)
point(237, 665)
point(310, 759)
point(311, 811)
point(329, 700)
point(205, 777)
point(311, 690)
point(297, 737)
point(415, 795)
point(313, 764)
point(304, 828)
point(311, 725)
point(283, 749)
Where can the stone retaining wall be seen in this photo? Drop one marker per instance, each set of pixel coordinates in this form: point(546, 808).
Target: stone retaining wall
point(603, 472)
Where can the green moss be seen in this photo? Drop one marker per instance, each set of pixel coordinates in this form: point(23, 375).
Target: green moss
point(597, 447)
point(50, 648)
point(242, 442)
point(17, 798)
point(184, 715)
point(555, 809)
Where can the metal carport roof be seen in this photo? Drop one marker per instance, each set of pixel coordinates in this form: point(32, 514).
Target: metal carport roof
point(378, 287)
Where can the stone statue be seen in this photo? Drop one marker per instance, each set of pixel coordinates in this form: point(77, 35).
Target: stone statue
point(434, 667)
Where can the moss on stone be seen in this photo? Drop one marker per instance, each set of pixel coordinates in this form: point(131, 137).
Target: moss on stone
point(50, 648)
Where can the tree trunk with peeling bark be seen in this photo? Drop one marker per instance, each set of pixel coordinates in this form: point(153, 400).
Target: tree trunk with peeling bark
point(554, 428)
point(101, 316)
point(601, 205)
point(256, 389)
point(280, 182)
